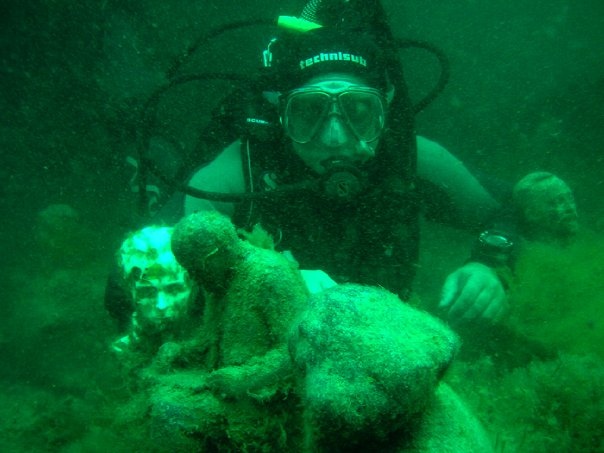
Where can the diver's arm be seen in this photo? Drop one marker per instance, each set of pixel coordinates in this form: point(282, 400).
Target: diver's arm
point(476, 206)
point(477, 290)
point(456, 195)
point(224, 174)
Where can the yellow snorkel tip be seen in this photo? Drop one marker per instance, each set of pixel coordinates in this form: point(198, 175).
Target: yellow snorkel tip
point(296, 24)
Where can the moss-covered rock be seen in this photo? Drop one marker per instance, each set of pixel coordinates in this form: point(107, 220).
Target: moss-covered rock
point(369, 367)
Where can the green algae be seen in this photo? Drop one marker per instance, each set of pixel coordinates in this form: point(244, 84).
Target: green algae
point(558, 295)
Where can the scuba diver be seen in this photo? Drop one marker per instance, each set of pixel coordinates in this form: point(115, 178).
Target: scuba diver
point(337, 174)
point(345, 122)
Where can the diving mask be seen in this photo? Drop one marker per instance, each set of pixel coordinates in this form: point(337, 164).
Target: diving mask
point(362, 109)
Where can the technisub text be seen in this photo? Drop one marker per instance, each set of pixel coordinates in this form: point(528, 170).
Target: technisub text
point(332, 56)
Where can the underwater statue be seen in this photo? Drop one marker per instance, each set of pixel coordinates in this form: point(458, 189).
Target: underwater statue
point(274, 368)
point(161, 292)
point(231, 386)
point(546, 209)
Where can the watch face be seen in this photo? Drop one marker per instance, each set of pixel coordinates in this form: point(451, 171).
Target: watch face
point(495, 240)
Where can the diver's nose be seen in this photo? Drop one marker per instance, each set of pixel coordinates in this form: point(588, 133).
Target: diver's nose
point(334, 133)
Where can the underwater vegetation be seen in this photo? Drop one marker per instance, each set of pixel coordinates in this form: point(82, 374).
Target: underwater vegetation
point(544, 391)
point(547, 406)
point(558, 296)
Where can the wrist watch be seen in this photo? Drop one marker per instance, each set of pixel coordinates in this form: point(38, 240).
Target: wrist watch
point(495, 240)
point(494, 248)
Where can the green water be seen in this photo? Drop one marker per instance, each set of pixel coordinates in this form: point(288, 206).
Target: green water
point(526, 93)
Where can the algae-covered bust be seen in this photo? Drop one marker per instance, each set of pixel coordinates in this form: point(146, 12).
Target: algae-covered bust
point(160, 288)
point(547, 208)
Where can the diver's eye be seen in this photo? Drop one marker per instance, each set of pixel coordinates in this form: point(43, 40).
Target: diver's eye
point(360, 113)
point(365, 113)
point(308, 107)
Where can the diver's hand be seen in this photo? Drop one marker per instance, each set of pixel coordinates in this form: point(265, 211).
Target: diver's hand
point(471, 292)
point(317, 281)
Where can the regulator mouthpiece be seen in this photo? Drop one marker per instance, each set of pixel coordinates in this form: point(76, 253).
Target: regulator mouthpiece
point(342, 181)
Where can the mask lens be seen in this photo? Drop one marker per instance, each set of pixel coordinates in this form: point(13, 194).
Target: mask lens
point(304, 113)
point(364, 112)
